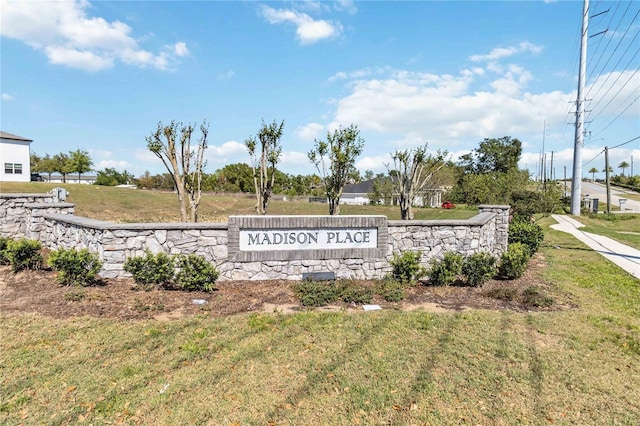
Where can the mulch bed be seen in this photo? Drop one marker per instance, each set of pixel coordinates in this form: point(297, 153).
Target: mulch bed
point(37, 292)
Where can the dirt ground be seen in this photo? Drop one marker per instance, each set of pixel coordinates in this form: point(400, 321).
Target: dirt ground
point(37, 292)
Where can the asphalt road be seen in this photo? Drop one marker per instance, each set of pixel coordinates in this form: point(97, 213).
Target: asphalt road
point(599, 191)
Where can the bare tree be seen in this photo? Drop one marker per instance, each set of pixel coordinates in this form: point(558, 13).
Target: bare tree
point(264, 167)
point(172, 145)
point(334, 159)
point(412, 170)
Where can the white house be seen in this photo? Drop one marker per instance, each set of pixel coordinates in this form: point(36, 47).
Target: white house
point(358, 193)
point(14, 158)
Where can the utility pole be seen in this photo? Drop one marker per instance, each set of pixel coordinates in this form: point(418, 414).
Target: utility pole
point(576, 182)
point(606, 177)
point(544, 170)
point(551, 173)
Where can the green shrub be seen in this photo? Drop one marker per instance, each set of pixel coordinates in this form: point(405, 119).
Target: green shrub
point(527, 233)
point(446, 270)
point(513, 262)
point(479, 268)
point(531, 296)
point(406, 267)
point(23, 254)
point(79, 268)
point(391, 290)
point(196, 274)
point(3, 246)
point(353, 292)
point(316, 293)
point(150, 270)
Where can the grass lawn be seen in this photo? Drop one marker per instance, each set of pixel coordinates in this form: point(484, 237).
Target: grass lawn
point(132, 205)
point(579, 365)
point(624, 228)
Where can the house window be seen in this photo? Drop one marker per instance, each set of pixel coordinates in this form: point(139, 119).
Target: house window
point(13, 168)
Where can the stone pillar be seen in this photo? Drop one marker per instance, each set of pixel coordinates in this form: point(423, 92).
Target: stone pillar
point(502, 226)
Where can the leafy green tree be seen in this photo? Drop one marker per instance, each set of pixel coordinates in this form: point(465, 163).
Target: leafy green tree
point(624, 165)
point(381, 190)
point(264, 165)
point(368, 175)
point(45, 165)
point(414, 169)
point(172, 145)
point(593, 172)
point(79, 162)
point(498, 155)
point(34, 161)
point(335, 160)
point(61, 163)
point(112, 177)
point(489, 174)
point(237, 177)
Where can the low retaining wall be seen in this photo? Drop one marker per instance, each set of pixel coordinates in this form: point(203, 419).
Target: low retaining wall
point(44, 218)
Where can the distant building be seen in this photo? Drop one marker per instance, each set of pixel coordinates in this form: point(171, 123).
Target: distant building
point(70, 178)
point(14, 158)
point(358, 194)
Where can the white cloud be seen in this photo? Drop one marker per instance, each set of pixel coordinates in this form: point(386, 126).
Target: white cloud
point(226, 75)
point(298, 161)
point(227, 148)
point(445, 110)
point(347, 5)
point(358, 74)
point(7, 97)
point(308, 30)
point(375, 163)
point(309, 132)
point(504, 52)
point(119, 165)
point(65, 33)
point(180, 49)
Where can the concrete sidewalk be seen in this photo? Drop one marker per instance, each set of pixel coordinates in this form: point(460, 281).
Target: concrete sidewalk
point(628, 258)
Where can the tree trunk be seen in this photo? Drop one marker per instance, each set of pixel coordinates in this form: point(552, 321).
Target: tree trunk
point(405, 208)
point(334, 206)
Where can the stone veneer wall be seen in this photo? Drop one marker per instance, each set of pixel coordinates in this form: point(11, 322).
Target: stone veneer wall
point(42, 217)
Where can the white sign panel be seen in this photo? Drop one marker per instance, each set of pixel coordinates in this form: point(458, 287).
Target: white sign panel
point(307, 239)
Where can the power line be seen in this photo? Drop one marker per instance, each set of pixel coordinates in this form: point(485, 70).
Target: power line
point(624, 143)
point(618, 116)
point(597, 155)
point(616, 80)
point(603, 84)
point(615, 49)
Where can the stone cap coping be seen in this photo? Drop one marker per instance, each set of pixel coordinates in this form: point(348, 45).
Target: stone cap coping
point(477, 220)
point(25, 194)
point(103, 225)
point(47, 205)
point(494, 206)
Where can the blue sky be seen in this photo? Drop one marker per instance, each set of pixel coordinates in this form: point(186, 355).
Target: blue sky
point(100, 75)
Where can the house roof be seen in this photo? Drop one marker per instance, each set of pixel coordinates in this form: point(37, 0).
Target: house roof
point(366, 187)
point(5, 135)
point(359, 188)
